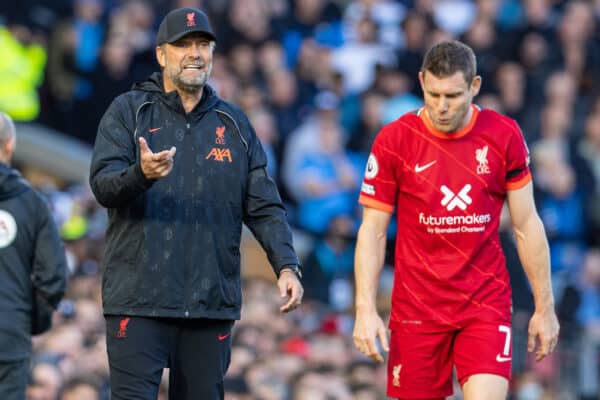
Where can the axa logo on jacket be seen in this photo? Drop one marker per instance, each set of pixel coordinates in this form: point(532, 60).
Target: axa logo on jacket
point(220, 155)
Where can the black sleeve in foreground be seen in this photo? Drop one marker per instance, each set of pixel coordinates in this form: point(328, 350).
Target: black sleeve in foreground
point(49, 271)
point(266, 217)
point(115, 173)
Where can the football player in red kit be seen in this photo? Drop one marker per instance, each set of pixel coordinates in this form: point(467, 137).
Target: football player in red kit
point(447, 170)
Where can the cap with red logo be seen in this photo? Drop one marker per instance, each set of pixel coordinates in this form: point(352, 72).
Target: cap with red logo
point(181, 22)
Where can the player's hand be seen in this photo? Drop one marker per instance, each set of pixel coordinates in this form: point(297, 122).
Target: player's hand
point(155, 165)
point(290, 288)
point(543, 333)
point(367, 328)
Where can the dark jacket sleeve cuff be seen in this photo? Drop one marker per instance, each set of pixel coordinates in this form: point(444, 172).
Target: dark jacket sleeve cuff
point(141, 179)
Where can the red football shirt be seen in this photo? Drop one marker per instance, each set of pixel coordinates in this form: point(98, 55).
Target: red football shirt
point(448, 191)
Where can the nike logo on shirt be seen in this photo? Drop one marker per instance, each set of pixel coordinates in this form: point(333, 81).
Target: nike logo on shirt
point(152, 130)
point(223, 337)
point(421, 168)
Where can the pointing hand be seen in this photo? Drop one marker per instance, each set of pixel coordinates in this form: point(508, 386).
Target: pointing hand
point(155, 165)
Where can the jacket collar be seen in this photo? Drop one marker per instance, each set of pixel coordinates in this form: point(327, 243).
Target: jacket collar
point(154, 85)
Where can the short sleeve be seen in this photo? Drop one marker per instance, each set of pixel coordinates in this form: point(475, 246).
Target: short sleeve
point(379, 186)
point(517, 160)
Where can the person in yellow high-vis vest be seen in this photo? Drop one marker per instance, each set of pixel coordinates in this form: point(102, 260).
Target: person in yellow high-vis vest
point(21, 72)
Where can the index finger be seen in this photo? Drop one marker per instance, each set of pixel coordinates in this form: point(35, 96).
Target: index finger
point(163, 155)
point(295, 299)
point(373, 351)
point(289, 306)
point(544, 348)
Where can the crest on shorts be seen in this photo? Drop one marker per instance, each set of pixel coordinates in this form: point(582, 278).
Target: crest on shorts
point(122, 333)
point(396, 375)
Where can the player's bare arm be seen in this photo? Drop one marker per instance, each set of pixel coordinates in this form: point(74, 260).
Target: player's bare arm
point(368, 263)
point(534, 254)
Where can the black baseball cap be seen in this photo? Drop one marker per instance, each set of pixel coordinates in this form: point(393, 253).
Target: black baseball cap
point(182, 21)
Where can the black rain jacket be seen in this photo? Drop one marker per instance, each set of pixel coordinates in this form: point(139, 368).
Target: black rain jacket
point(173, 244)
point(33, 266)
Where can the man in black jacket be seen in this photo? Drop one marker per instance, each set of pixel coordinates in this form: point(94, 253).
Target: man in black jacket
point(180, 170)
point(32, 268)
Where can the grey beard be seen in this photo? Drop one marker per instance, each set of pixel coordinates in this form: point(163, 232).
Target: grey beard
point(192, 87)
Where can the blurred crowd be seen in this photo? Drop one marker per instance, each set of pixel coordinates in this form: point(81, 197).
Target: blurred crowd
point(318, 79)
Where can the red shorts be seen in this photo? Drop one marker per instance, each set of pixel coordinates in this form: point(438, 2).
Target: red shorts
point(420, 364)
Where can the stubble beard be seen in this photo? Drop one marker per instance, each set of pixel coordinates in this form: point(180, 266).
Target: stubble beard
point(191, 85)
point(447, 128)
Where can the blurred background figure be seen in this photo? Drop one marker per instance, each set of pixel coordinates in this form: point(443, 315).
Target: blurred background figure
point(327, 180)
point(21, 71)
point(79, 389)
point(33, 268)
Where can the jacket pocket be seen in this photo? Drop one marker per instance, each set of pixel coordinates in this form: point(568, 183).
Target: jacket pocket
point(119, 286)
point(125, 243)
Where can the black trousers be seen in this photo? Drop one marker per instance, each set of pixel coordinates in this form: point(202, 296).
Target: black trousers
point(13, 379)
point(197, 351)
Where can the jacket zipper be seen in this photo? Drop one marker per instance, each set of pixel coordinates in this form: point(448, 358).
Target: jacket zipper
point(187, 289)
